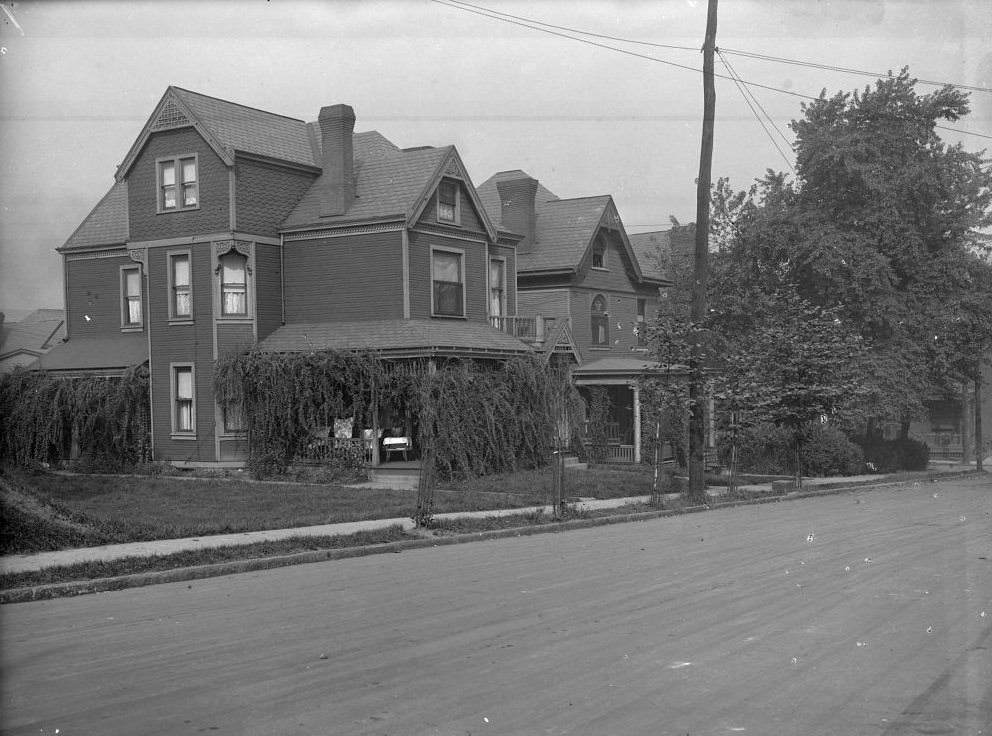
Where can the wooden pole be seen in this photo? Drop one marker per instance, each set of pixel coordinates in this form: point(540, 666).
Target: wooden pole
point(979, 439)
point(697, 419)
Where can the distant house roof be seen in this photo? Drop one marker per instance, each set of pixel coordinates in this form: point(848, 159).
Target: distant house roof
point(490, 196)
point(397, 338)
point(109, 355)
point(565, 227)
point(106, 224)
point(661, 253)
point(32, 336)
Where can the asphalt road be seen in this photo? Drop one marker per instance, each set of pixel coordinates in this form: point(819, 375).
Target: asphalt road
point(862, 613)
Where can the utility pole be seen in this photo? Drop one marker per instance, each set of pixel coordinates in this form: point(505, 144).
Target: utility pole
point(697, 397)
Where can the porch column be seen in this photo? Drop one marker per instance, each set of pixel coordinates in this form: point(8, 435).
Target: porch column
point(637, 423)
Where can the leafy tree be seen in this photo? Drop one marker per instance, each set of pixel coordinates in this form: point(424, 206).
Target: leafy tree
point(878, 227)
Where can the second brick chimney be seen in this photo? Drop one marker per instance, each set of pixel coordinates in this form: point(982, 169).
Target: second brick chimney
point(517, 196)
point(337, 128)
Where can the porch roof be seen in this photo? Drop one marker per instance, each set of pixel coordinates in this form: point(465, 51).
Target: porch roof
point(411, 338)
point(108, 355)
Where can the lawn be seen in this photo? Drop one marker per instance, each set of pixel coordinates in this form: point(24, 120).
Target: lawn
point(106, 509)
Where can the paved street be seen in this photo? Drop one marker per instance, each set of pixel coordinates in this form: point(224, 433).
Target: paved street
point(862, 613)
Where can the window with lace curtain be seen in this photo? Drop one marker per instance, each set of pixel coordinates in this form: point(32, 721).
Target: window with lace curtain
point(448, 283)
point(131, 298)
point(183, 400)
point(234, 284)
point(497, 287)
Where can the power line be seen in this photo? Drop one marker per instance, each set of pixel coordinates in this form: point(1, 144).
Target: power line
point(546, 28)
point(761, 122)
point(847, 70)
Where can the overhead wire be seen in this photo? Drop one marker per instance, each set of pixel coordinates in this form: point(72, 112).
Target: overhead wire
point(745, 93)
point(562, 32)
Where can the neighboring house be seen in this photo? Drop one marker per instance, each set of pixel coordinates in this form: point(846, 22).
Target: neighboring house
point(24, 341)
point(576, 263)
point(229, 226)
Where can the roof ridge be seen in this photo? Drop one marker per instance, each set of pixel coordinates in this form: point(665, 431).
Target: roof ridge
point(237, 104)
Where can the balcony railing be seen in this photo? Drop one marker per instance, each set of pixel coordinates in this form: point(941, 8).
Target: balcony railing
point(535, 329)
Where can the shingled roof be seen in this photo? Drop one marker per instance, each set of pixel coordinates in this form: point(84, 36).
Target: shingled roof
point(109, 355)
point(106, 224)
point(398, 337)
point(388, 183)
point(489, 195)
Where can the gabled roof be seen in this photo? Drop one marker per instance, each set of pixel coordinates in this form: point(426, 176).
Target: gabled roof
point(228, 127)
point(106, 224)
point(390, 183)
point(397, 338)
point(34, 334)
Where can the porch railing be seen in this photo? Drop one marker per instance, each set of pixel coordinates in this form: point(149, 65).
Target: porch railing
point(943, 445)
point(536, 329)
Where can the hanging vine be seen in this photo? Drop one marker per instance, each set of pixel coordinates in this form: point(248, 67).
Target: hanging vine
point(103, 421)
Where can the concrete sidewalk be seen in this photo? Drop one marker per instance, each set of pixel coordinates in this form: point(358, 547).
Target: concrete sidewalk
point(41, 560)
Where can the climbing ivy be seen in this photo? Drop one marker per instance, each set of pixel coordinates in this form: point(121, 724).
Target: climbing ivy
point(102, 421)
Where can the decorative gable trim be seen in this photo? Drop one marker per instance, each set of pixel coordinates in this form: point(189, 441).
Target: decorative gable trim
point(610, 220)
point(452, 162)
point(171, 113)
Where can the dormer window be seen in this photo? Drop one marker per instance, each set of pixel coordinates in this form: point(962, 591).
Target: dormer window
point(178, 186)
point(599, 253)
point(447, 202)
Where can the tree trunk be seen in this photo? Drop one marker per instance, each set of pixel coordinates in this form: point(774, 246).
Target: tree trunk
point(904, 428)
point(979, 439)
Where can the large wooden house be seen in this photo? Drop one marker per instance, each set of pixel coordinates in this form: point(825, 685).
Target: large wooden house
point(228, 226)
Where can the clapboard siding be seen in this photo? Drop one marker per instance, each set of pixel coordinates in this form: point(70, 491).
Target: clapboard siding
point(421, 281)
point(232, 338)
point(268, 289)
point(188, 342)
point(543, 302)
point(348, 278)
point(213, 214)
point(94, 291)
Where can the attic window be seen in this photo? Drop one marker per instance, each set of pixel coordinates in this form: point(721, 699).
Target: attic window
point(447, 202)
point(599, 253)
point(178, 186)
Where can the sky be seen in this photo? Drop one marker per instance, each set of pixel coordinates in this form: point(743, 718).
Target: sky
point(78, 81)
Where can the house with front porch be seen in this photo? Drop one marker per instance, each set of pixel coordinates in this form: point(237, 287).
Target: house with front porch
point(576, 263)
point(228, 226)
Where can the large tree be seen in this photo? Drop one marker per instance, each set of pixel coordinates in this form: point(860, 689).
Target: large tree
point(877, 226)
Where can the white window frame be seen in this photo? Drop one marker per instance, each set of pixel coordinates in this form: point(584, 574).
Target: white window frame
point(247, 289)
point(177, 163)
point(600, 241)
point(126, 324)
point(602, 314)
point(456, 206)
point(461, 262)
point(174, 398)
point(171, 257)
point(489, 287)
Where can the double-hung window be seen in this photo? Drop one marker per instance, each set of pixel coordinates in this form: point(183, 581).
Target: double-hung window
point(447, 202)
point(497, 287)
point(130, 297)
point(449, 284)
point(181, 295)
point(600, 322)
point(183, 400)
point(234, 284)
point(178, 185)
point(642, 323)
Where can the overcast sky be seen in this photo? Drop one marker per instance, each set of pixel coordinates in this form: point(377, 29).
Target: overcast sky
point(78, 80)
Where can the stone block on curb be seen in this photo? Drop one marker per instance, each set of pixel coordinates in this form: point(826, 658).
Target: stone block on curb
point(783, 486)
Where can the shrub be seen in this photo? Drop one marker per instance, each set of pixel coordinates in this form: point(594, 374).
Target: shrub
point(769, 450)
point(889, 456)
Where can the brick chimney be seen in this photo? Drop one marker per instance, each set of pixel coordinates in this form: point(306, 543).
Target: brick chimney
point(337, 126)
point(517, 197)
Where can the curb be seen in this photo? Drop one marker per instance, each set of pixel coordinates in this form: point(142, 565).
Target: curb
point(200, 572)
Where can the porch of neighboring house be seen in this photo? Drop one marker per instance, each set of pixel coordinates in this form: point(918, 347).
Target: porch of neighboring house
point(546, 334)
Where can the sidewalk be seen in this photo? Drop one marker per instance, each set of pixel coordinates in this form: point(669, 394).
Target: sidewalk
point(38, 561)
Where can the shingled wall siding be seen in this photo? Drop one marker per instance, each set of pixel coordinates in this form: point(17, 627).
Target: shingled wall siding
point(94, 291)
point(468, 219)
point(264, 195)
point(615, 275)
point(213, 214)
point(268, 302)
point(421, 283)
point(182, 343)
point(355, 277)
